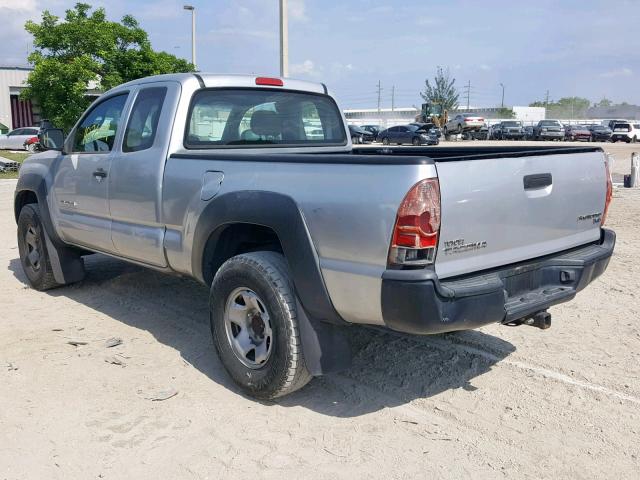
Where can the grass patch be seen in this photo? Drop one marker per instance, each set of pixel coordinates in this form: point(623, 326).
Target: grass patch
point(14, 156)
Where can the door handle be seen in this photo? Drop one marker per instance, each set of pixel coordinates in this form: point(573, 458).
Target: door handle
point(537, 180)
point(99, 174)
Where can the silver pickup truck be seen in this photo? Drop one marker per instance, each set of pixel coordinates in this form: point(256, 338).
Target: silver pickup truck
point(251, 185)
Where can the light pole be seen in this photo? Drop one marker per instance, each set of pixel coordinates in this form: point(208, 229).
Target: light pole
point(502, 103)
point(193, 33)
point(284, 40)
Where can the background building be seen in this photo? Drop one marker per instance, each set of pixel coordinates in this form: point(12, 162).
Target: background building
point(15, 112)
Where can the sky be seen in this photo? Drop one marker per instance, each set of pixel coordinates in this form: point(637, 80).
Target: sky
point(570, 48)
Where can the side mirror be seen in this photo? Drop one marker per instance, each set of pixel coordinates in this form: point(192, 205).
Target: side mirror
point(51, 139)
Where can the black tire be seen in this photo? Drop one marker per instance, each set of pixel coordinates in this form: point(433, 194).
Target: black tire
point(415, 141)
point(266, 274)
point(385, 141)
point(634, 139)
point(33, 249)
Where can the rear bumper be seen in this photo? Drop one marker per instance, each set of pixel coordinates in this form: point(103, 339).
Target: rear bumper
point(418, 302)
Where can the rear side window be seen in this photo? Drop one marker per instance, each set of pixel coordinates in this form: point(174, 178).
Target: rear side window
point(143, 121)
point(622, 127)
point(261, 118)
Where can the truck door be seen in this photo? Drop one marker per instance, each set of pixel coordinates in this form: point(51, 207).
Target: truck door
point(80, 185)
point(135, 179)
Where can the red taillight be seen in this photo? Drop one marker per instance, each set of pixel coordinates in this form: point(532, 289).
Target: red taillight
point(607, 200)
point(273, 82)
point(468, 120)
point(415, 234)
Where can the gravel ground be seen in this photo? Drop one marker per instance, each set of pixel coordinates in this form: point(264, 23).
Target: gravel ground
point(498, 402)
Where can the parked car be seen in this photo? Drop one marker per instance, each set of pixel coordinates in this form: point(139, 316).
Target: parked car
point(578, 133)
point(494, 131)
point(373, 129)
point(548, 130)
point(429, 128)
point(463, 122)
point(296, 239)
point(511, 130)
point(600, 133)
point(482, 134)
point(360, 135)
point(528, 132)
point(626, 132)
point(14, 140)
point(32, 144)
point(407, 134)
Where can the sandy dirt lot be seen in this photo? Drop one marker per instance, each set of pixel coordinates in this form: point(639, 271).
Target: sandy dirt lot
point(499, 402)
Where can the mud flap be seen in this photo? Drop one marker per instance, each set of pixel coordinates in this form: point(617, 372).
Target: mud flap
point(325, 346)
point(67, 266)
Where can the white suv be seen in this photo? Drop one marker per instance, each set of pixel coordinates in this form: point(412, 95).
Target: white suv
point(626, 131)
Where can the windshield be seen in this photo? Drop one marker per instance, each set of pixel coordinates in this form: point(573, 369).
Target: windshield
point(624, 127)
point(262, 118)
point(413, 128)
point(511, 124)
point(549, 123)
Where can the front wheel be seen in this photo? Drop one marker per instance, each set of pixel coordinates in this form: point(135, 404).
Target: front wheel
point(385, 141)
point(415, 142)
point(254, 325)
point(33, 249)
point(634, 139)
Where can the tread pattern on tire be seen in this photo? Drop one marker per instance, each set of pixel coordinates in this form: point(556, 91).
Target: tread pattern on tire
point(272, 266)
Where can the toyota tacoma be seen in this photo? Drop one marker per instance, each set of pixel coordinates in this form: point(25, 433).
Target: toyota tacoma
point(251, 186)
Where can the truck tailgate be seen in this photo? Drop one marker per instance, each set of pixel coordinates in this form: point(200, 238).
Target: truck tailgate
point(498, 211)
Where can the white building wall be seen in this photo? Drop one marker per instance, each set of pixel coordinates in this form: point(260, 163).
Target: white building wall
point(12, 80)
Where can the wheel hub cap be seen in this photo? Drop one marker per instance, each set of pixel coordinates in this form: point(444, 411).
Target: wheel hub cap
point(33, 248)
point(248, 328)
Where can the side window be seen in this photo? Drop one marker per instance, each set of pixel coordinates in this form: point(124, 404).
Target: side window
point(98, 129)
point(143, 121)
point(16, 132)
point(30, 131)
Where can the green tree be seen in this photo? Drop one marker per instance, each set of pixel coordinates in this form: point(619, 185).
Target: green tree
point(85, 49)
point(442, 91)
point(566, 107)
point(605, 102)
point(505, 113)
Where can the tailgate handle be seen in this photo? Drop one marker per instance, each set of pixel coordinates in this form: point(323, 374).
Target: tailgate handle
point(537, 180)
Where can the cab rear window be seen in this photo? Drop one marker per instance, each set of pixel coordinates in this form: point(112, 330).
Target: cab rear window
point(245, 118)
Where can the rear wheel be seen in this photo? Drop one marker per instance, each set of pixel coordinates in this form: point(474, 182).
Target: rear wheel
point(255, 327)
point(33, 249)
point(385, 141)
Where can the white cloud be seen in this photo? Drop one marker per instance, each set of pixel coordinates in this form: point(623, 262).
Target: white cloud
point(21, 6)
point(297, 11)
point(620, 72)
point(307, 68)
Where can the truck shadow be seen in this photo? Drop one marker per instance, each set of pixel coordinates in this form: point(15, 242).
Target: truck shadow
point(388, 369)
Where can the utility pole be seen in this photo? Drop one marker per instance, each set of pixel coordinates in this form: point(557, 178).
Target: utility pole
point(467, 88)
point(284, 39)
point(502, 103)
point(546, 104)
point(379, 93)
point(192, 9)
point(393, 97)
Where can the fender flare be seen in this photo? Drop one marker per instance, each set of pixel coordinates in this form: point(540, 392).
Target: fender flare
point(280, 213)
point(67, 265)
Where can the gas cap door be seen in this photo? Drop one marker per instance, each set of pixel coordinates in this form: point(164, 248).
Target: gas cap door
point(211, 182)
